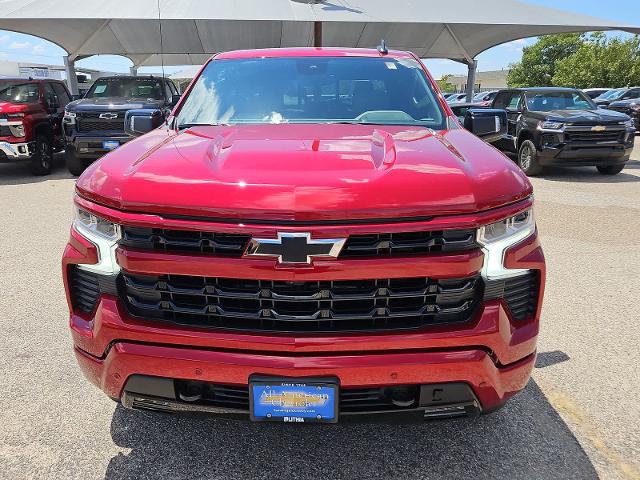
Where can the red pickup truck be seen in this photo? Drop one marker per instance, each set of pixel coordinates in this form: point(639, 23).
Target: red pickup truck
point(31, 113)
point(312, 236)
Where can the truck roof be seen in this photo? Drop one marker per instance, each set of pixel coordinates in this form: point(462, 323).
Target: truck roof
point(311, 52)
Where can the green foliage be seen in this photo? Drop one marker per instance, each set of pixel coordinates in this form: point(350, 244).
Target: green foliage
point(580, 61)
point(601, 62)
point(539, 60)
point(444, 84)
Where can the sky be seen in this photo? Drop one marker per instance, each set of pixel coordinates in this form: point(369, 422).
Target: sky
point(26, 48)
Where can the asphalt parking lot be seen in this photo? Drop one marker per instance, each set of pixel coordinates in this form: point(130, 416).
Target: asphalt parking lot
point(578, 418)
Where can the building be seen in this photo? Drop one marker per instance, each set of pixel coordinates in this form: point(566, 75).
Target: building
point(491, 80)
point(85, 76)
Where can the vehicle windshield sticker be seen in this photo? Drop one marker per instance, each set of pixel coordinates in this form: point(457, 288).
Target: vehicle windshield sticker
point(100, 89)
point(391, 65)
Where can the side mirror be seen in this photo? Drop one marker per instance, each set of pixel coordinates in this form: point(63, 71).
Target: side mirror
point(175, 99)
point(76, 97)
point(489, 124)
point(140, 121)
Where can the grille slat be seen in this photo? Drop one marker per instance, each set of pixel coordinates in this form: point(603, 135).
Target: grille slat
point(356, 246)
point(314, 306)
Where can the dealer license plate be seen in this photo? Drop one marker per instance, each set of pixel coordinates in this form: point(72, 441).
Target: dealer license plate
point(294, 401)
point(110, 144)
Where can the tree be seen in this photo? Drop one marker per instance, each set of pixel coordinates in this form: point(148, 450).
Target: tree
point(538, 65)
point(601, 62)
point(444, 84)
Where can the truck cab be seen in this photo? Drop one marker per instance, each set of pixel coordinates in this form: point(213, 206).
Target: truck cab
point(31, 114)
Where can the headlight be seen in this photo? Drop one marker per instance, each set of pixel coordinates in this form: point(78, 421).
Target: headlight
point(69, 117)
point(17, 130)
point(635, 106)
point(104, 235)
point(497, 237)
point(550, 125)
point(629, 123)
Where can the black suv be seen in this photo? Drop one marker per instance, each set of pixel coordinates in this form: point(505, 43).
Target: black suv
point(94, 125)
point(562, 126)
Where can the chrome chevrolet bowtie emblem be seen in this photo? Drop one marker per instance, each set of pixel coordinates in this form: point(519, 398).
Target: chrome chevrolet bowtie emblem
point(598, 128)
point(295, 247)
point(108, 116)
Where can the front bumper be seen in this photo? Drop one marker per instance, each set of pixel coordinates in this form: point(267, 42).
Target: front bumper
point(91, 146)
point(12, 152)
point(554, 151)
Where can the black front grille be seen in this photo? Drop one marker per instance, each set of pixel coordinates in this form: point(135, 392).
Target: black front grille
point(99, 125)
point(184, 241)
point(5, 131)
point(409, 243)
point(356, 246)
point(316, 306)
point(85, 289)
point(588, 136)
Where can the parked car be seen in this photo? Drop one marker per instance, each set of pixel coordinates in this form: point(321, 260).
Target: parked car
point(30, 121)
point(457, 98)
point(310, 223)
point(484, 99)
point(593, 93)
point(562, 126)
point(94, 125)
point(617, 94)
point(630, 107)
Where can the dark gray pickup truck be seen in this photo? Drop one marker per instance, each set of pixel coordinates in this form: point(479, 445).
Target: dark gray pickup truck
point(94, 125)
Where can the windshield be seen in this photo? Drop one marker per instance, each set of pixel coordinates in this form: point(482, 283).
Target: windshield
point(382, 91)
point(612, 94)
point(126, 87)
point(19, 92)
point(546, 101)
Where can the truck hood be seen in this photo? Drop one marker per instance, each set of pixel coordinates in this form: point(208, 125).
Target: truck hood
point(112, 103)
point(305, 173)
point(581, 117)
point(26, 108)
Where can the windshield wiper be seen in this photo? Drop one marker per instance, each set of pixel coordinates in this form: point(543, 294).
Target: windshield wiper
point(182, 126)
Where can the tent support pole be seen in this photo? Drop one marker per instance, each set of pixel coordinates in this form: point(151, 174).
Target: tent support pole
point(72, 80)
point(471, 79)
point(317, 34)
point(133, 71)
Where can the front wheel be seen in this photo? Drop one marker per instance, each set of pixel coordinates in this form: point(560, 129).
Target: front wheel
point(528, 158)
point(610, 169)
point(42, 159)
point(75, 164)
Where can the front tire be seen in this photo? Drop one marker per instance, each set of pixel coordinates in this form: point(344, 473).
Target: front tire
point(610, 169)
point(528, 158)
point(42, 159)
point(75, 164)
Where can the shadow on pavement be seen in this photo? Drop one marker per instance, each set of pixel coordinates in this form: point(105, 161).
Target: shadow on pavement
point(546, 359)
point(18, 173)
point(589, 174)
point(526, 439)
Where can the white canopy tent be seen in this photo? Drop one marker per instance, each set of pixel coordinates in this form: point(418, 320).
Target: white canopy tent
point(192, 30)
